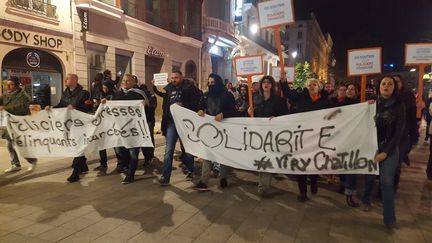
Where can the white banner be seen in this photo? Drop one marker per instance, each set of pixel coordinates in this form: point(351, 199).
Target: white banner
point(70, 133)
point(303, 143)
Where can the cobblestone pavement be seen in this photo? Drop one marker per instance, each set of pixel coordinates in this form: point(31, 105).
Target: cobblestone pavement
point(41, 206)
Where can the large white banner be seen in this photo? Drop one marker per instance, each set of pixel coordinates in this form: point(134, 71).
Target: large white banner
point(70, 133)
point(304, 143)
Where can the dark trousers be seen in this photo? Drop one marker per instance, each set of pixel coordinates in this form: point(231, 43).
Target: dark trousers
point(148, 152)
point(79, 163)
point(429, 165)
point(302, 183)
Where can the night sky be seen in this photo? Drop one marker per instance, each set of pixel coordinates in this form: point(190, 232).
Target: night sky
point(370, 23)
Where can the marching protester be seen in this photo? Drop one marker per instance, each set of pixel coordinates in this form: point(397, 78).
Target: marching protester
point(75, 97)
point(96, 89)
point(128, 157)
point(429, 164)
point(390, 123)
point(272, 105)
point(108, 91)
point(313, 97)
point(220, 103)
point(242, 102)
point(348, 95)
point(148, 152)
point(183, 93)
point(410, 133)
point(16, 102)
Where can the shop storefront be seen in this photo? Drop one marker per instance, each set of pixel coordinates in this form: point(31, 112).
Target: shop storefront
point(40, 61)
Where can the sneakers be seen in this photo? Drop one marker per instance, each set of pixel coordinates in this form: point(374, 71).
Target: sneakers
point(128, 179)
point(201, 186)
point(163, 182)
point(32, 166)
point(101, 168)
point(189, 176)
point(13, 168)
point(223, 183)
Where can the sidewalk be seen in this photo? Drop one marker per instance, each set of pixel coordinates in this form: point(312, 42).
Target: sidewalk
point(42, 207)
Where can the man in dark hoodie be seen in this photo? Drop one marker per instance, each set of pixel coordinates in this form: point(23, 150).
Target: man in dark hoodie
point(220, 103)
point(75, 97)
point(186, 94)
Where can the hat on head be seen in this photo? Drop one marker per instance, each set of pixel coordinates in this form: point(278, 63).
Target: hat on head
point(15, 80)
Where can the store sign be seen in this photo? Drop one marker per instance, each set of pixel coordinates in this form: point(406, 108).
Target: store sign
point(155, 52)
point(30, 38)
point(85, 21)
point(33, 59)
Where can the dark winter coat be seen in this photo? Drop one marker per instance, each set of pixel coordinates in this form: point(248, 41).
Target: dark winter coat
point(390, 123)
point(17, 103)
point(189, 96)
point(274, 106)
point(303, 101)
point(78, 98)
point(213, 105)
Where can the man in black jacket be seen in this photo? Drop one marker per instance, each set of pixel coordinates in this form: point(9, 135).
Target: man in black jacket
point(184, 93)
point(220, 103)
point(75, 97)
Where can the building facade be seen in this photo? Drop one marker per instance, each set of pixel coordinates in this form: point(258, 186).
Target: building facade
point(36, 45)
point(306, 39)
point(253, 40)
point(219, 39)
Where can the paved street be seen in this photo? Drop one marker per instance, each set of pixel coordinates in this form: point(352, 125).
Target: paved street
point(42, 207)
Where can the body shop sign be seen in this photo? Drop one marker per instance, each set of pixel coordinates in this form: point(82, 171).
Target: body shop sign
point(248, 65)
point(420, 53)
point(364, 61)
point(275, 13)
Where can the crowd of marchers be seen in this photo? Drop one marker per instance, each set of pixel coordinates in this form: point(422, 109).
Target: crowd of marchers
point(396, 123)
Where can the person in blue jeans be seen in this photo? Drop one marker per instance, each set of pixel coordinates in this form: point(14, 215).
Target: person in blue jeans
point(390, 124)
point(184, 93)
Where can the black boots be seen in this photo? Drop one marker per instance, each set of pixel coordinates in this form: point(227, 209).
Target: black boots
point(350, 201)
point(75, 175)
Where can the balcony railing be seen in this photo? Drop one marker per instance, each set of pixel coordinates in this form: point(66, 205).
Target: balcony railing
point(218, 25)
point(38, 7)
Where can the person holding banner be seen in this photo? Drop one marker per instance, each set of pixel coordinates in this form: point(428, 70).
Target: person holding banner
point(220, 103)
point(186, 94)
point(75, 97)
point(16, 102)
point(128, 157)
point(272, 105)
point(313, 97)
point(350, 97)
point(390, 123)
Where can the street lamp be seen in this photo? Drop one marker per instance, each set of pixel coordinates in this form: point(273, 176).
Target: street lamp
point(413, 70)
point(294, 54)
point(254, 28)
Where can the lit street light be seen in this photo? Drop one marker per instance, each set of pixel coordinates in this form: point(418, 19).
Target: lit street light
point(413, 70)
point(294, 54)
point(254, 28)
